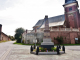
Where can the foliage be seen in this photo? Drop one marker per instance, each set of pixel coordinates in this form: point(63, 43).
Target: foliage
point(54, 38)
point(59, 39)
point(79, 40)
point(28, 41)
point(25, 44)
point(3, 41)
point(41, 40)
point(76, 42)
point(11, 37)
point(41, 49)
point(40, 44)
point(65, 37)
point(54, 48)
point(45, 49)
point(22, 41)
point(18, 35)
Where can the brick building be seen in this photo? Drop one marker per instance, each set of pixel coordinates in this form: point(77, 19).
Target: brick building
point(71, 18)
point(3, 36)
point(72, 15)
point(66, 25)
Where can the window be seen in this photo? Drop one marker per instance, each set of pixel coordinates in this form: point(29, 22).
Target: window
point(70, 8)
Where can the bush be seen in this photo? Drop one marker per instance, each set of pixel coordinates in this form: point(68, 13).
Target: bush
point(65, 37)
point(19, 40)
point(41, 41)
point(54, 38)
point(60, 39)
point(41, 49)
point(54, 48)
point(79, 40)
point(45, 49)
point(22, 41)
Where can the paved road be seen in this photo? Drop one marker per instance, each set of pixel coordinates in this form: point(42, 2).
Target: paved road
point(5, 49)
point(9, 51)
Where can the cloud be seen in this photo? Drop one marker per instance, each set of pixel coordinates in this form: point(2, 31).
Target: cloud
point(7, 3)
point(26, 13)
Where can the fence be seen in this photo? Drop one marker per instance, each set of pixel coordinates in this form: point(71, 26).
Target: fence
point(55, 29)
point(65, 29)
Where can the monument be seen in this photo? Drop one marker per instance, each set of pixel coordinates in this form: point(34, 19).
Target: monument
point(47, 43)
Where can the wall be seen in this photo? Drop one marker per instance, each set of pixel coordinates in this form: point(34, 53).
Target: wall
point(72, 17)
point(0, 30)
point(68, 36)
point(4, 37)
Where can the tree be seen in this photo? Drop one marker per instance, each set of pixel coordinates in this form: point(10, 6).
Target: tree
point(11, 37)
point(18, 33)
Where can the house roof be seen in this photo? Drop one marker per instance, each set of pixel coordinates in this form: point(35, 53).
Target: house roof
point(5, 34)
point(39, 22)
point(53, 21)
point(69, 2)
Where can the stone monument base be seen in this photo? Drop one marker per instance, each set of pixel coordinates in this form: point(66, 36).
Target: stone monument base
point(47, 43)
point(47, 46)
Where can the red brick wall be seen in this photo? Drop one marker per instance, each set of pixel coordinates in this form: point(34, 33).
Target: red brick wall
point(72, 37)
point(79, 20)
point(72, 19)
point(68, 37)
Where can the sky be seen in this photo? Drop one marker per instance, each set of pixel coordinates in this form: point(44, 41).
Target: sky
point(26, 13)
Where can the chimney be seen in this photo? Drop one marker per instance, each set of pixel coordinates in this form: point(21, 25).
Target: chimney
point(46, 16)
point(0, 28)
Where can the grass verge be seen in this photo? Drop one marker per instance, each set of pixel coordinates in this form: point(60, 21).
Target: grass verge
point(4, 41)
point(40, 44)
point(69, 44)
point(25, 44)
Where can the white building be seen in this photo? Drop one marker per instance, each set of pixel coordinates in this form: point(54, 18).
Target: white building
point(30, 37)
